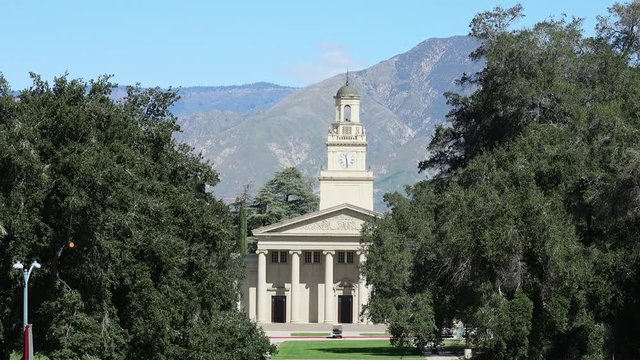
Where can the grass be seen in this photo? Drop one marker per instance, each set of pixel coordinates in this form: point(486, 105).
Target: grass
point(342, 349)
point(455, 345)
point(310, 334)
point(18, 356)
point(373, 334)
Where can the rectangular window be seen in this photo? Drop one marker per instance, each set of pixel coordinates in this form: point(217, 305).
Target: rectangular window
point(279, 257)
point(346, 130)
point(350, 257)
point(341, 257)
point(312, 257)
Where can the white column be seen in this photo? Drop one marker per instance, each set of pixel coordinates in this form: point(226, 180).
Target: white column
point(261, 290)
point(362, 285)
point(295, 285)
point(328, 287)
point(239, 289)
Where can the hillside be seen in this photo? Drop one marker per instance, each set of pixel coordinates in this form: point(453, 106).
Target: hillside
point(402, 101)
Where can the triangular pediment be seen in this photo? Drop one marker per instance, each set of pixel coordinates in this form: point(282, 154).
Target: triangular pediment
point(335, 223)
point(342, 219)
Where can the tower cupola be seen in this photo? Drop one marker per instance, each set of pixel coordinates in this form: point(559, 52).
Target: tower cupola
point(347, 104)
point(346, 178)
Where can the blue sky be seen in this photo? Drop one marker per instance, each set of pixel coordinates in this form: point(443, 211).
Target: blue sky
point(188, 43)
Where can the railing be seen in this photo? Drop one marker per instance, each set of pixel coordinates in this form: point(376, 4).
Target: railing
point(334, 137)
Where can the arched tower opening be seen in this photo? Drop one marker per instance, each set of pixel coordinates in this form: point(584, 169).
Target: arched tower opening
point(347, 113)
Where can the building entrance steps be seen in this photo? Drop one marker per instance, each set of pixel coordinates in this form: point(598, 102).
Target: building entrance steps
point(347, 329)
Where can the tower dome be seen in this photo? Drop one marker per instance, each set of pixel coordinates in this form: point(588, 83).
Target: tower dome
point(346, 91)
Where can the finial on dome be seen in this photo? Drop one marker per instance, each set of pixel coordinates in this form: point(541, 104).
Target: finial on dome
point(346, 90)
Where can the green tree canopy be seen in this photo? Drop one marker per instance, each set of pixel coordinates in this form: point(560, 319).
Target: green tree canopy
point(151, 274)
point(528, 233)
point(286, 195)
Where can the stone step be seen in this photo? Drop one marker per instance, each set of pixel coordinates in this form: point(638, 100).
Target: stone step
point(306, 327)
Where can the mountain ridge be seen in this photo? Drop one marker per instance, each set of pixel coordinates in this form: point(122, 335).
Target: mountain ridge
point(402, 102)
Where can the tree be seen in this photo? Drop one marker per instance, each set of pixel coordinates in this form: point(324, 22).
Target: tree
point(621, 30)
point(528, 233)
point(151, 269)
point(242, 230)
point(240, 208)
point(286, 195)
point(529, 78)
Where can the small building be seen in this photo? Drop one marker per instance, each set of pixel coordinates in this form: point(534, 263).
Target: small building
point(306, 269)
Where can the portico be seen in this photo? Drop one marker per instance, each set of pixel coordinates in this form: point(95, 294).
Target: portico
point(309, 266)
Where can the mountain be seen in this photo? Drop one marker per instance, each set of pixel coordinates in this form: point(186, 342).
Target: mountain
point(241, 99)
point(401, 103)
point(238, 99)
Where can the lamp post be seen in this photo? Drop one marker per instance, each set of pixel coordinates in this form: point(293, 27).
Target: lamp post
point(28, 348)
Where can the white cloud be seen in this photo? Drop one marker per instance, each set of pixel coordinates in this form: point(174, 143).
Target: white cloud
point(331, 59)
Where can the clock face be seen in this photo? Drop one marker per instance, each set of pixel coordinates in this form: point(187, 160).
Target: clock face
point(346, 160)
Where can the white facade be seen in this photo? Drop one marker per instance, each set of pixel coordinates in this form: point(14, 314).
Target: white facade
point(306, 269)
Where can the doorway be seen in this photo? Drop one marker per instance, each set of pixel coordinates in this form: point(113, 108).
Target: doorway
point(345, 309)
point(278, 309)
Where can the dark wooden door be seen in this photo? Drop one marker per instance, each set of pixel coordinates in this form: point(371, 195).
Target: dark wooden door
point(278, 309)
point(345, 309)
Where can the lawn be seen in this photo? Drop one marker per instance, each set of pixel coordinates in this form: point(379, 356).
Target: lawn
point(341, 349)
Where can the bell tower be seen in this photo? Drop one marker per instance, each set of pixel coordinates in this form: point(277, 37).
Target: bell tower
point(346, 178)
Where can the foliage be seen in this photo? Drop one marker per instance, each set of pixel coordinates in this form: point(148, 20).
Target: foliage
point(150, 271)
point(243, 243)
point(528, 233)
point(286, 195)
point(621, 30)
point(240, 209)
point(16, 356)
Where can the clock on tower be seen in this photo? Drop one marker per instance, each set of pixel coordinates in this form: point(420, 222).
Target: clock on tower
point(346, 159)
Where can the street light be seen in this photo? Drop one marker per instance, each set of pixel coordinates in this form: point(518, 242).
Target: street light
point(27, 274)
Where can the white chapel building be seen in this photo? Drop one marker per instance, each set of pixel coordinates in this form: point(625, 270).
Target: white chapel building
point(306, 269)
